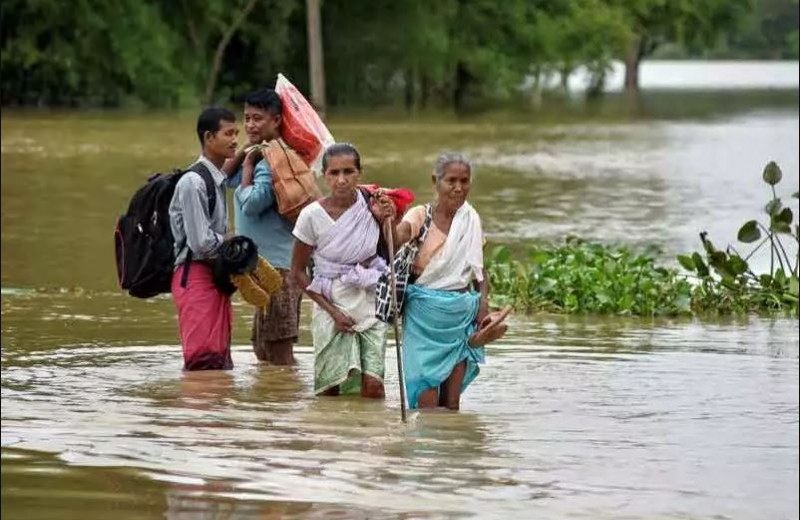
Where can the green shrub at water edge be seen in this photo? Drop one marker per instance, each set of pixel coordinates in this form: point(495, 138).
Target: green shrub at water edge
point(583, 277)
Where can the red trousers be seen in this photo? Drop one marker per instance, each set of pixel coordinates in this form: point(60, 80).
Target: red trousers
point(204, 319)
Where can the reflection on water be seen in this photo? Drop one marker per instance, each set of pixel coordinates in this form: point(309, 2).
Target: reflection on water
point(574, 417)
point(571, 416)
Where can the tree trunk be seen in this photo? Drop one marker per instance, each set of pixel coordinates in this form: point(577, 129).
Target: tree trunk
point(632, 60)
point(219, 54)
point(536, 89)
point(410, 85)
point(596, 83)
point(565, 73)
point(424, 91)
point(316, 63)
point(190, 25)
point(460, 89)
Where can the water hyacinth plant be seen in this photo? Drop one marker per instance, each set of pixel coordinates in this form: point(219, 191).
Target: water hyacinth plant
point(726, 281)
point(583, 277)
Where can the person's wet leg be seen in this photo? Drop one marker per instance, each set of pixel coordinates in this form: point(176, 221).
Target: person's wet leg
point(279, 352)
point(452, 387)
point(331, 392)
point(372, 388)
point(429, 398)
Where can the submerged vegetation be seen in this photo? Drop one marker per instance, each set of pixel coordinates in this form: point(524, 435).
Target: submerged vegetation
point(583, 277)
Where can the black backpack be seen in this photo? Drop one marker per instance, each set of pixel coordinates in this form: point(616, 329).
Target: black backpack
point(143, 241)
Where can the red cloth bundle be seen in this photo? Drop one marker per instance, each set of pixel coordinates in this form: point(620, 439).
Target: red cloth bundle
point(401, 197)
point(301, 127)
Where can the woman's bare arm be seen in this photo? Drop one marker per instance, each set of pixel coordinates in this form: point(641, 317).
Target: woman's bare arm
point(300, 261)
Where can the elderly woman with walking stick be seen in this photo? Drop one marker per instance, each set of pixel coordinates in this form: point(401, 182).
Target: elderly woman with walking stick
point(446, 318)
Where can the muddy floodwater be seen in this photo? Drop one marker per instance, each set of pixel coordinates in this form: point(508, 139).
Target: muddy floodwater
point(572, 416)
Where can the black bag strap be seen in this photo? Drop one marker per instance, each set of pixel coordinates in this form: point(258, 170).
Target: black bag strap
point(412, 246)
point(211, 190)
point(186, 265)
point(426, 225)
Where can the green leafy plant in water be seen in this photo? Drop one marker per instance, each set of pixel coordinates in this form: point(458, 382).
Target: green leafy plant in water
point(583, 277)
point(726, 281)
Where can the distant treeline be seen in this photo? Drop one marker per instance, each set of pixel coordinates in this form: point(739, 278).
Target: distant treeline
point(173, 53)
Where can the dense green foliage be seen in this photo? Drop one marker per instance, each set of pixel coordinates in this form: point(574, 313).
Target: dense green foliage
point(581, 277)
point(769, 31)
point(100, 53)
point(178, 52)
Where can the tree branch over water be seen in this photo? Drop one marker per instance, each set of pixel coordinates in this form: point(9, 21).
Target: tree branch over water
point(219, 54)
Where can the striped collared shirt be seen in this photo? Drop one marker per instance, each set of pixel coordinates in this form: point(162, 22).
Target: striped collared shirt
point(192, 226)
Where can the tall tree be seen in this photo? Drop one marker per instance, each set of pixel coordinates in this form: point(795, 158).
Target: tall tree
point(654, 22)
point(87, 51)
point(210, 31)
point(166, 53)
point(228, 31)
point(768, 32)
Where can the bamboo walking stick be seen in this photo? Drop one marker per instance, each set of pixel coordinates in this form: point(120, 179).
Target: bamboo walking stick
point(393, 286)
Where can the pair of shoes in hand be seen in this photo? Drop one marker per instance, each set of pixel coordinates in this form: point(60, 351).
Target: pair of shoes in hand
point(257, 286)
point(490, 329)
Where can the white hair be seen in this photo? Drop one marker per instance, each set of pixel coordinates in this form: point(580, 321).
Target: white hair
point(447, 158)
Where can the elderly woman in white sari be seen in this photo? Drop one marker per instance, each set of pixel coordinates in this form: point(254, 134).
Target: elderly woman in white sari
point(446, 319)
point(341, 233)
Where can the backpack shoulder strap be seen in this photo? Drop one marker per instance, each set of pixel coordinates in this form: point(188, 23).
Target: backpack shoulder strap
point(211, 190)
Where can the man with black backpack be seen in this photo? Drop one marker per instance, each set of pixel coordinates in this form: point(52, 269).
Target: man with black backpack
point(199, 223)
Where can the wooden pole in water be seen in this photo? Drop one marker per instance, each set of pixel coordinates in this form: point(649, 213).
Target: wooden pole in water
point(393, 285)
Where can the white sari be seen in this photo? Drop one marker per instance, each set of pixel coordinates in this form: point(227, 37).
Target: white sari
point(460, 259)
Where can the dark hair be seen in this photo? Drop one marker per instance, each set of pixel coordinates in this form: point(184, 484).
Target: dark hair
point(265, 99)
point(337, 149)
point(208, 120)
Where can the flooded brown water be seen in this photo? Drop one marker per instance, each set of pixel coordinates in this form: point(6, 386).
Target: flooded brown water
point(572, 417)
